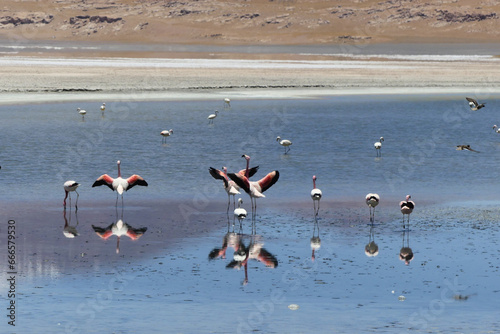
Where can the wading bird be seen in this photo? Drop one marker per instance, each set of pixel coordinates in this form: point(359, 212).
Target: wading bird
point(103, 107)
point(407, 207)
point(496, 129)
point(254, 189)
point(70, 186)
point(212, 116)
point(165, 134)
point(227, 103)
point(119, 184)
point(239, 212)
point(474, 105)
point(285, 143)
point(82, 112)
point(316, 195)
point(372, 201)
point(378, 146)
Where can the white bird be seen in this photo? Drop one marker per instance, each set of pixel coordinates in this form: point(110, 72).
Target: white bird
point(119, 184)
point(239, 212)
point(70, 186)
point(315, 195)
point(82, 112)
point(227, 103)
point(165, 134)
point(372, 201)
point(407, 207)
point(378, 146)
point(103, 107)
point(496, 129)
point(212, 116)
point(285, 143)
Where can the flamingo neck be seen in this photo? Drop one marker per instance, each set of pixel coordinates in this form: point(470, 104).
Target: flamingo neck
point(119, 172)
point(247, 171)
point(314, 183)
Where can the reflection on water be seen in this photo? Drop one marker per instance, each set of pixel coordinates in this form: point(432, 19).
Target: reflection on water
point(246, 247)
point(119, 228)
point(70, 231)
point(371, 248)
point(315, 240)
point(406, 253)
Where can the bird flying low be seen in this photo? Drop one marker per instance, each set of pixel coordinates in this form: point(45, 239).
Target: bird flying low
point(465, 147)
point(474, 105)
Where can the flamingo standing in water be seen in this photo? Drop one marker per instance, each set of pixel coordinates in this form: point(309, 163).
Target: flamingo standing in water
point(165, 134)
point(239, 212)
point(315, 195)
point(212, 116)
point(372, 201)
point(496, 128)
point(230, 186)
point(119, 229)
point(227, 103)
point(70, 186)
point(119, 184)
point(82, 112)
point(103, 107)
point(254, 189)
point(285, 143)
point(378, 146)
point(407, 207)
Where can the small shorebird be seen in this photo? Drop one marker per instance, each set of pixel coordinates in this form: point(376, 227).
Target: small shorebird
point(474, 105)
point(407, 207)
point(496, 129)
point(316, 195)
point(372, 201)
point(212, 116)
point(119, 184)
point(285, 143)
point(82, 112)
point(378, 146)
point(165, 134)
point(465, 147)
point(70, 186)
point(227, 103)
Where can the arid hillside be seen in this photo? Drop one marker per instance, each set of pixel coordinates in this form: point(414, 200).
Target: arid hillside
point(252, 21)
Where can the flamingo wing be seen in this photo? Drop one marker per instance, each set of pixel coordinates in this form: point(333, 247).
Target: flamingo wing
point(136, 180)
point(241, 181)
point(267, 181)
point(136, 233)
point(251, 171)
point(219, 175)
point(104, 233)
point(104, 179)
point(267, 258)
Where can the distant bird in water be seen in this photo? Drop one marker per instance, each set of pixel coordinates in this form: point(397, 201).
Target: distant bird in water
point(465, 147)
point(496, 129)
point(254, 189)
point(315, 195)
point(230, 186)
point(285, 143)
point(372, 201)
point(119, 184)
point(82, 112)
point(227, 103)
point(474, 105)
point(407, 207)
point(212, 116)
point(70, 186)
point(165, 134)
point(239, 212)
point(103, 107)
point(119, 229)
point(378, 146)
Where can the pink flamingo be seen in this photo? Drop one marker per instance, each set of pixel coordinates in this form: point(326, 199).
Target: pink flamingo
point(230, 186)
point(119, 184)
point(70, 186)
point(254, 189)
point(315, 195)
point(372, 201)
point(407, 207)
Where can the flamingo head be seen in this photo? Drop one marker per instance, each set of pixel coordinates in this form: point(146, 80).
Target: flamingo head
point(118, 162)
point(408, 197)
point(240, 201)
point(278, 138)
point(314, 177)
point(381, 139)
point(495, 126)
point(224, 168)
point(246, 157)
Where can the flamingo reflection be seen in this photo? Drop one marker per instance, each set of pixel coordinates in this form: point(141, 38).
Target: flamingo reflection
point(406, 253)
point(371, 248)
point(315, 240)
point(68, 230)
point(120, 228)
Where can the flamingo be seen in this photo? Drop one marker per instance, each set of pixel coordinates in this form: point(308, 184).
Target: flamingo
point(496, 129)
point(474, 105)
point(82, 112)
point(378, 146)
point(119, 184)
point(315, 195)
point(119, 229)
point(227, 103)
point(103, 107)
point(407, 207)
point(371, 248)
point(165, 134)
point(372, 201)
point(239, 212)
point(70, 186)
point(254, 189)
point(285, 143)
point(230, 186)
point(212, 116)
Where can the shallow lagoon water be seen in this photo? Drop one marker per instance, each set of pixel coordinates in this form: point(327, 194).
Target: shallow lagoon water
point(165, 280)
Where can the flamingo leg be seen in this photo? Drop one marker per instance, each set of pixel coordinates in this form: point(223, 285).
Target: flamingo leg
point(228, 203)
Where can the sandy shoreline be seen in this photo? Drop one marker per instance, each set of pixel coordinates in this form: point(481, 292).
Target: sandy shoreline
point(43, 79)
